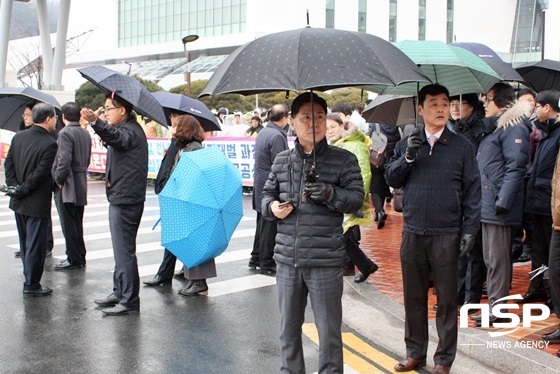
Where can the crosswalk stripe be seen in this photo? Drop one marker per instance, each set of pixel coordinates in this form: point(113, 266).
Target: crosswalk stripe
point(54, 211)
point(105, 235)
point(231, 256)
point(240, 284)
point(87, 215)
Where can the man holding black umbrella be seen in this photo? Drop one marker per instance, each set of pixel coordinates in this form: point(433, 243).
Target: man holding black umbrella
point(126, 179)
point(307, 193)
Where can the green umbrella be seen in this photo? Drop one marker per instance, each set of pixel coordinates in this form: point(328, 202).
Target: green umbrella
point(459, 70)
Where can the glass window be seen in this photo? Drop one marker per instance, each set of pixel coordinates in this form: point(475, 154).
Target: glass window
point(450, 12)
point(422, 20)
point(362, 10)
point(133, 29)
point(392, 20)
point(329, 14)
point(177, 22)
point(217, 17)
point(235, 14)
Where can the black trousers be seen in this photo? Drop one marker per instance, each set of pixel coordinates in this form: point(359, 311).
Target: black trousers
point(124, 221)
point(351, 240)
point(265, 239)
point(554, 271)
point(471, 272)
point(32, 233)
point(71, 221)
point(421, 254)
point(167, 267)
point(542, 232)
point(379, 190)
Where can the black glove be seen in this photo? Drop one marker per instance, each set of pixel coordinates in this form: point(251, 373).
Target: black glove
point(500, 210)
point(467, 244)
point(459, 126)
point(359, 214)
point(413, 145)
point(17, 192)
point(319, 192)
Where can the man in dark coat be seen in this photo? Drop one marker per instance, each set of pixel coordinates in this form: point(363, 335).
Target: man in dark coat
point(308, 191)
point(503, 156)
point(539, 188)
point(272, 140)
point(441, 211)
point(467, 112)
point(126, 180)
point(28, 170)
point(70, 195)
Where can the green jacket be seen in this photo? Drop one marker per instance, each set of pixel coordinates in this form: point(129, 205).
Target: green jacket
point(355, 141)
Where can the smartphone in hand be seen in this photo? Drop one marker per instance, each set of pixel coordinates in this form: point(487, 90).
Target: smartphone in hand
point(285, 203)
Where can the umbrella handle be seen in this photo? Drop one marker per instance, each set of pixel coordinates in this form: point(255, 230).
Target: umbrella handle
point(157, 223)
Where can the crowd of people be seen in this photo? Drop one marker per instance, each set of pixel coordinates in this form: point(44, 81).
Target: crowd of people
point(480, 190)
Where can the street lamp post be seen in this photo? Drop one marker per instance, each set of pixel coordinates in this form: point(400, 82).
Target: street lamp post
point(185, 40)
point(129, 67)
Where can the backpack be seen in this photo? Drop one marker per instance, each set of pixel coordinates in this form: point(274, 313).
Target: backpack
point(378, 155)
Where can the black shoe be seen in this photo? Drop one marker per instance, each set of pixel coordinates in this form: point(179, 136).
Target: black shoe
point(361, 277)
point(119, 310)
point(268, 270)
point(435, 307)
point(180, 274)
point(196, 288)
point(17, 254)
point(156, 281)
point(552, 337)
point(65, 265)
point(523, 258)
point(110, 300)
point(492, 319)
point(253, 264)
point(485, 290)
point(381, 217)
point(538, 295)
point(41, 291)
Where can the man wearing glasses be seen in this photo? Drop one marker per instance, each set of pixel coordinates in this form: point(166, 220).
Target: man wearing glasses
point(308, 190)
point(28, 175)
point(126, 179)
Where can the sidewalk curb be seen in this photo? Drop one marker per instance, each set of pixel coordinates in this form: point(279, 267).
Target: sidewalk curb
point(381, 319)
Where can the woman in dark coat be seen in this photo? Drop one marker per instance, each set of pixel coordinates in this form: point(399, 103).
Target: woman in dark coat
point(187, 136)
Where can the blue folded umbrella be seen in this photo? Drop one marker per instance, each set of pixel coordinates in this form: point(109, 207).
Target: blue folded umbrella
point(201, 206)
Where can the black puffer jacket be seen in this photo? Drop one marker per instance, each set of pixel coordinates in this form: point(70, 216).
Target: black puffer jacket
point(311, 236)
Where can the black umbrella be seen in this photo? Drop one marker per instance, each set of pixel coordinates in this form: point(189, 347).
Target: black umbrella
point(393, 110)
point(128, 88)
point(542, 75)
point(313, 59)
point(190, 106)
point(504, 70)
point(14, 100)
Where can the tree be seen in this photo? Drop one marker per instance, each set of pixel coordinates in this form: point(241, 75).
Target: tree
point(231, 101)
point(88, 95)
point(150, 85)
point(352, 96)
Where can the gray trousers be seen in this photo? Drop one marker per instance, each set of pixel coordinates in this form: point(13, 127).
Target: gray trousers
point(324, 287)
point(496, 247)
point(124, 221)
point(421, 254)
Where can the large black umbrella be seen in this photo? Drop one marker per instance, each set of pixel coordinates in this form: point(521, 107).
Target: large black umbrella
point(190, 106)
point(541, 75)
point(504, 70)
point(128, 88)
point(313, 59)
point(14, 100)
point(393, 110)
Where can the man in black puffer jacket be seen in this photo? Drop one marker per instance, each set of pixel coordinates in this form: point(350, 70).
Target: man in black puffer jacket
point(309, 250)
